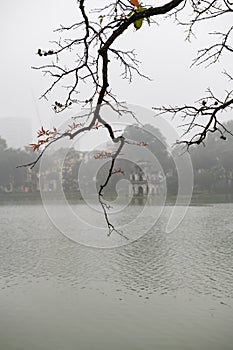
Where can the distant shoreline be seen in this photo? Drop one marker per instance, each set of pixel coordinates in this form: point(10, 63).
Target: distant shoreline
point(72, 198)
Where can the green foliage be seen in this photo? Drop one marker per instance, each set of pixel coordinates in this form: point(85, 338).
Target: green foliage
point(70, 171)
point(138, 23)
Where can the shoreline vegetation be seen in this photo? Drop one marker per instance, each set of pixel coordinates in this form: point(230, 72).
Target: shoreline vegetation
point(21, 198)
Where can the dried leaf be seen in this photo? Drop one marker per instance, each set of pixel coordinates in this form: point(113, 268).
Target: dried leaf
point(101, 19)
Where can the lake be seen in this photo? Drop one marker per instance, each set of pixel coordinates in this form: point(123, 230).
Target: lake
point(164, 291)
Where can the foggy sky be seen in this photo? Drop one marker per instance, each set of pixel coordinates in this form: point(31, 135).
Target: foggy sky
point(166, 57)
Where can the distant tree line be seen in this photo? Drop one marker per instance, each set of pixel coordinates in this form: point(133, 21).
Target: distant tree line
point(212, 165)
point(12, 178)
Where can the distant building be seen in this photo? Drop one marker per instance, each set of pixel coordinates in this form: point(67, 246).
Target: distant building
point(16, 131)
point(50, 181)
point(61, 175)
point(32, 181)
point(145, 181)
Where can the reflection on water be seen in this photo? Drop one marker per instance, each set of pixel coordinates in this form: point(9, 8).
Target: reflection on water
point(161, 277)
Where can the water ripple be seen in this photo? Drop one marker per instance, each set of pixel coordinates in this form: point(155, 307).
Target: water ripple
point(197, 257)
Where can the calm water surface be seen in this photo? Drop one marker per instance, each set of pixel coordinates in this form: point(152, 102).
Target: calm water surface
point(164, 291)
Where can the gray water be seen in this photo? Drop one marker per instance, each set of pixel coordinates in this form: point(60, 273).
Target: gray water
point(164, 291)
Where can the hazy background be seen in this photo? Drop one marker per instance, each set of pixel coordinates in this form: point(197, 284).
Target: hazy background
point(166, 57)
point(168, 291)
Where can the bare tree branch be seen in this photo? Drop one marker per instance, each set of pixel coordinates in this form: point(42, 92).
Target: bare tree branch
point(92, 44)
point(201, 118)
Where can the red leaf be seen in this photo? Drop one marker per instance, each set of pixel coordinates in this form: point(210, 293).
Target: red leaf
point(135, 3)
point(35, 146)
